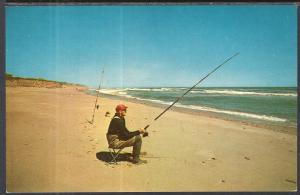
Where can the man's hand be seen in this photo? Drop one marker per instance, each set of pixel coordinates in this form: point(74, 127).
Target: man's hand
point(142, 130)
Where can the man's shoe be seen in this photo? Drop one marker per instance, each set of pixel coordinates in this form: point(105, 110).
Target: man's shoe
point(139, 161)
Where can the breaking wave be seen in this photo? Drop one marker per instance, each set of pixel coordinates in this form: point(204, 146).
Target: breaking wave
point(233, 92)
point(242, 114)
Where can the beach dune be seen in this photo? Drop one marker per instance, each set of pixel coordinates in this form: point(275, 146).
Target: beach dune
point(51, 147)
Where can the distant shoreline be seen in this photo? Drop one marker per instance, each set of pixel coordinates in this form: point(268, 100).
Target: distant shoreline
point(15, 81)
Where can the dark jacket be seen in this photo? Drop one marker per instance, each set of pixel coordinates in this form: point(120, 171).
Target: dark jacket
point(117, 127)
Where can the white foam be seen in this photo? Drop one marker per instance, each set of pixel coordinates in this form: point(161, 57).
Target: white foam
point(166, 89)
point(122, 93)
point(111, 91)
point(233, 92)
point(156, 101)
point(138, 89)
point(149, 89)
point(243, 114)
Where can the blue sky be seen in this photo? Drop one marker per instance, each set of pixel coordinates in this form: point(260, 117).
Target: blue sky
point(154, 45)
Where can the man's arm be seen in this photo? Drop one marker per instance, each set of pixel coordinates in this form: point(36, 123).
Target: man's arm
point(123, 132)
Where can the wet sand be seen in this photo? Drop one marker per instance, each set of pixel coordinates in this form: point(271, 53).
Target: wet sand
point(52, 148)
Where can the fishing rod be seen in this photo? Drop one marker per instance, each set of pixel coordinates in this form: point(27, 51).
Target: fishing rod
point(147, 126)
point(98, 91)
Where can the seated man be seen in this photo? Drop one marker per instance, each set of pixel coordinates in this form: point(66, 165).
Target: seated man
point(118, 135)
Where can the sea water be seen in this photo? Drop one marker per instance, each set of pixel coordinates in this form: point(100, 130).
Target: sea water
point(276, 105)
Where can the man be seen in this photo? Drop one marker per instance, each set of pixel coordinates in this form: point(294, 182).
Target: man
point(118, 135)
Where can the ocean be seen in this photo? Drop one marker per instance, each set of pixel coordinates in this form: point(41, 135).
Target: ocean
point(269, 105)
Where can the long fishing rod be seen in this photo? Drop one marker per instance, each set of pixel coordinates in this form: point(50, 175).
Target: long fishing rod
point(146, 127)
point(98, 91)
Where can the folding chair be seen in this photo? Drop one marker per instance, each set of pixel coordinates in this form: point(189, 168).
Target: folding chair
point(114, 152)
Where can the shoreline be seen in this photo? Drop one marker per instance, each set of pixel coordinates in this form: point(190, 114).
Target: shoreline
point(242, 121)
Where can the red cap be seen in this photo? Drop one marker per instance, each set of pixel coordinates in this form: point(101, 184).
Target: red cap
point(121, 107)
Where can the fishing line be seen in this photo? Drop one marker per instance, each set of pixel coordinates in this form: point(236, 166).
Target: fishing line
point(147, 126)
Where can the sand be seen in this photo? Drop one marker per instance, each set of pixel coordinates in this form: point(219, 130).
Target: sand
point(50, 147)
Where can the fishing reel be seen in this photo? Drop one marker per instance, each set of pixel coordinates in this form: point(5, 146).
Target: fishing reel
point(146, 134)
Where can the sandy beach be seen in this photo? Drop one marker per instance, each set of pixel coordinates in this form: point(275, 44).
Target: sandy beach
point(50, 147)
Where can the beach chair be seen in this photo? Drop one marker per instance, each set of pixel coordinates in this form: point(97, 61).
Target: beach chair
point(114, 152)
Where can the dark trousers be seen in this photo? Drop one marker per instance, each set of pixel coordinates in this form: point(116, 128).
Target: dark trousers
point(136, 142)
